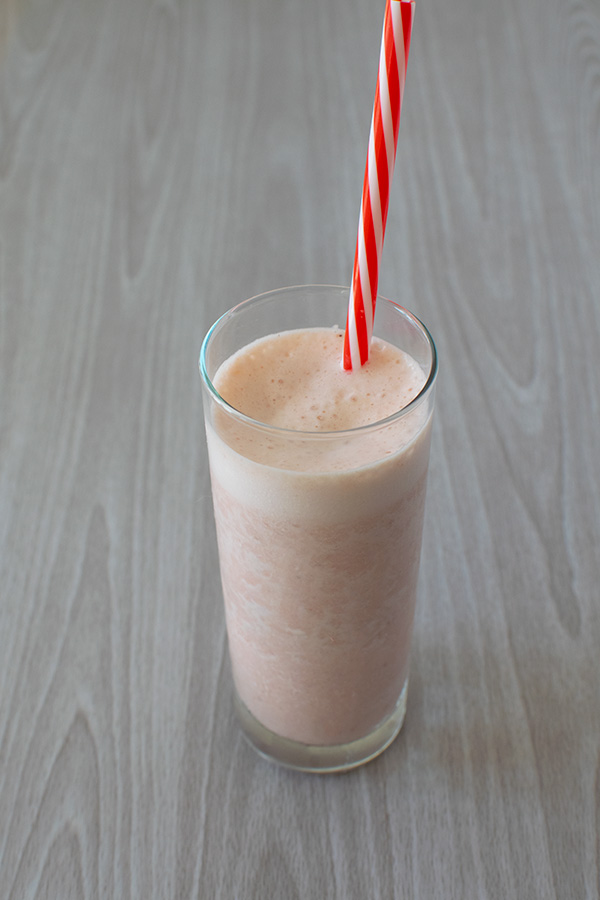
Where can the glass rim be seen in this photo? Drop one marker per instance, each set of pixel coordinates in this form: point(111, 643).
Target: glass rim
point(314, 435)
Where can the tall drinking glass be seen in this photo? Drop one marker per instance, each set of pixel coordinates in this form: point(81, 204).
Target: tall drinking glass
point(319, 536)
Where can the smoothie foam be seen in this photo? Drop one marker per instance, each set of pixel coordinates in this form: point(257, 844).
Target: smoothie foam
point(319, 534)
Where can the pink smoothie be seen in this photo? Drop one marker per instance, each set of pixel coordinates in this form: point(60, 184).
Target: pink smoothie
point(319, 534)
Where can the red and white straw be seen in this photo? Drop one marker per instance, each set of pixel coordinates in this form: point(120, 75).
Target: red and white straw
point(381, 156)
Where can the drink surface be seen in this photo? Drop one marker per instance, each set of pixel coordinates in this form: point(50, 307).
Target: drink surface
point(295, 380)
point(320, 533)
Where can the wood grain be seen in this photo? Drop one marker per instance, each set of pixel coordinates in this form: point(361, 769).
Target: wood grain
point(161, 160)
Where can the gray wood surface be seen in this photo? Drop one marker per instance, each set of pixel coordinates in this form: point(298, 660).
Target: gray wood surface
point(159, 162)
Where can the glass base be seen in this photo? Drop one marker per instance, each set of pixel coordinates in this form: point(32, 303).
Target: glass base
point(317, 758)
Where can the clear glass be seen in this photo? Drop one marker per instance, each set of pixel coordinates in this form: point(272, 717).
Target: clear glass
point(319, 538)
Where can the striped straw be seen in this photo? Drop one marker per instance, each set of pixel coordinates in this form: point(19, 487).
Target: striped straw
point(381, 156)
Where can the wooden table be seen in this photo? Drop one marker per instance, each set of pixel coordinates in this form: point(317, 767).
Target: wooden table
point(159, 162)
